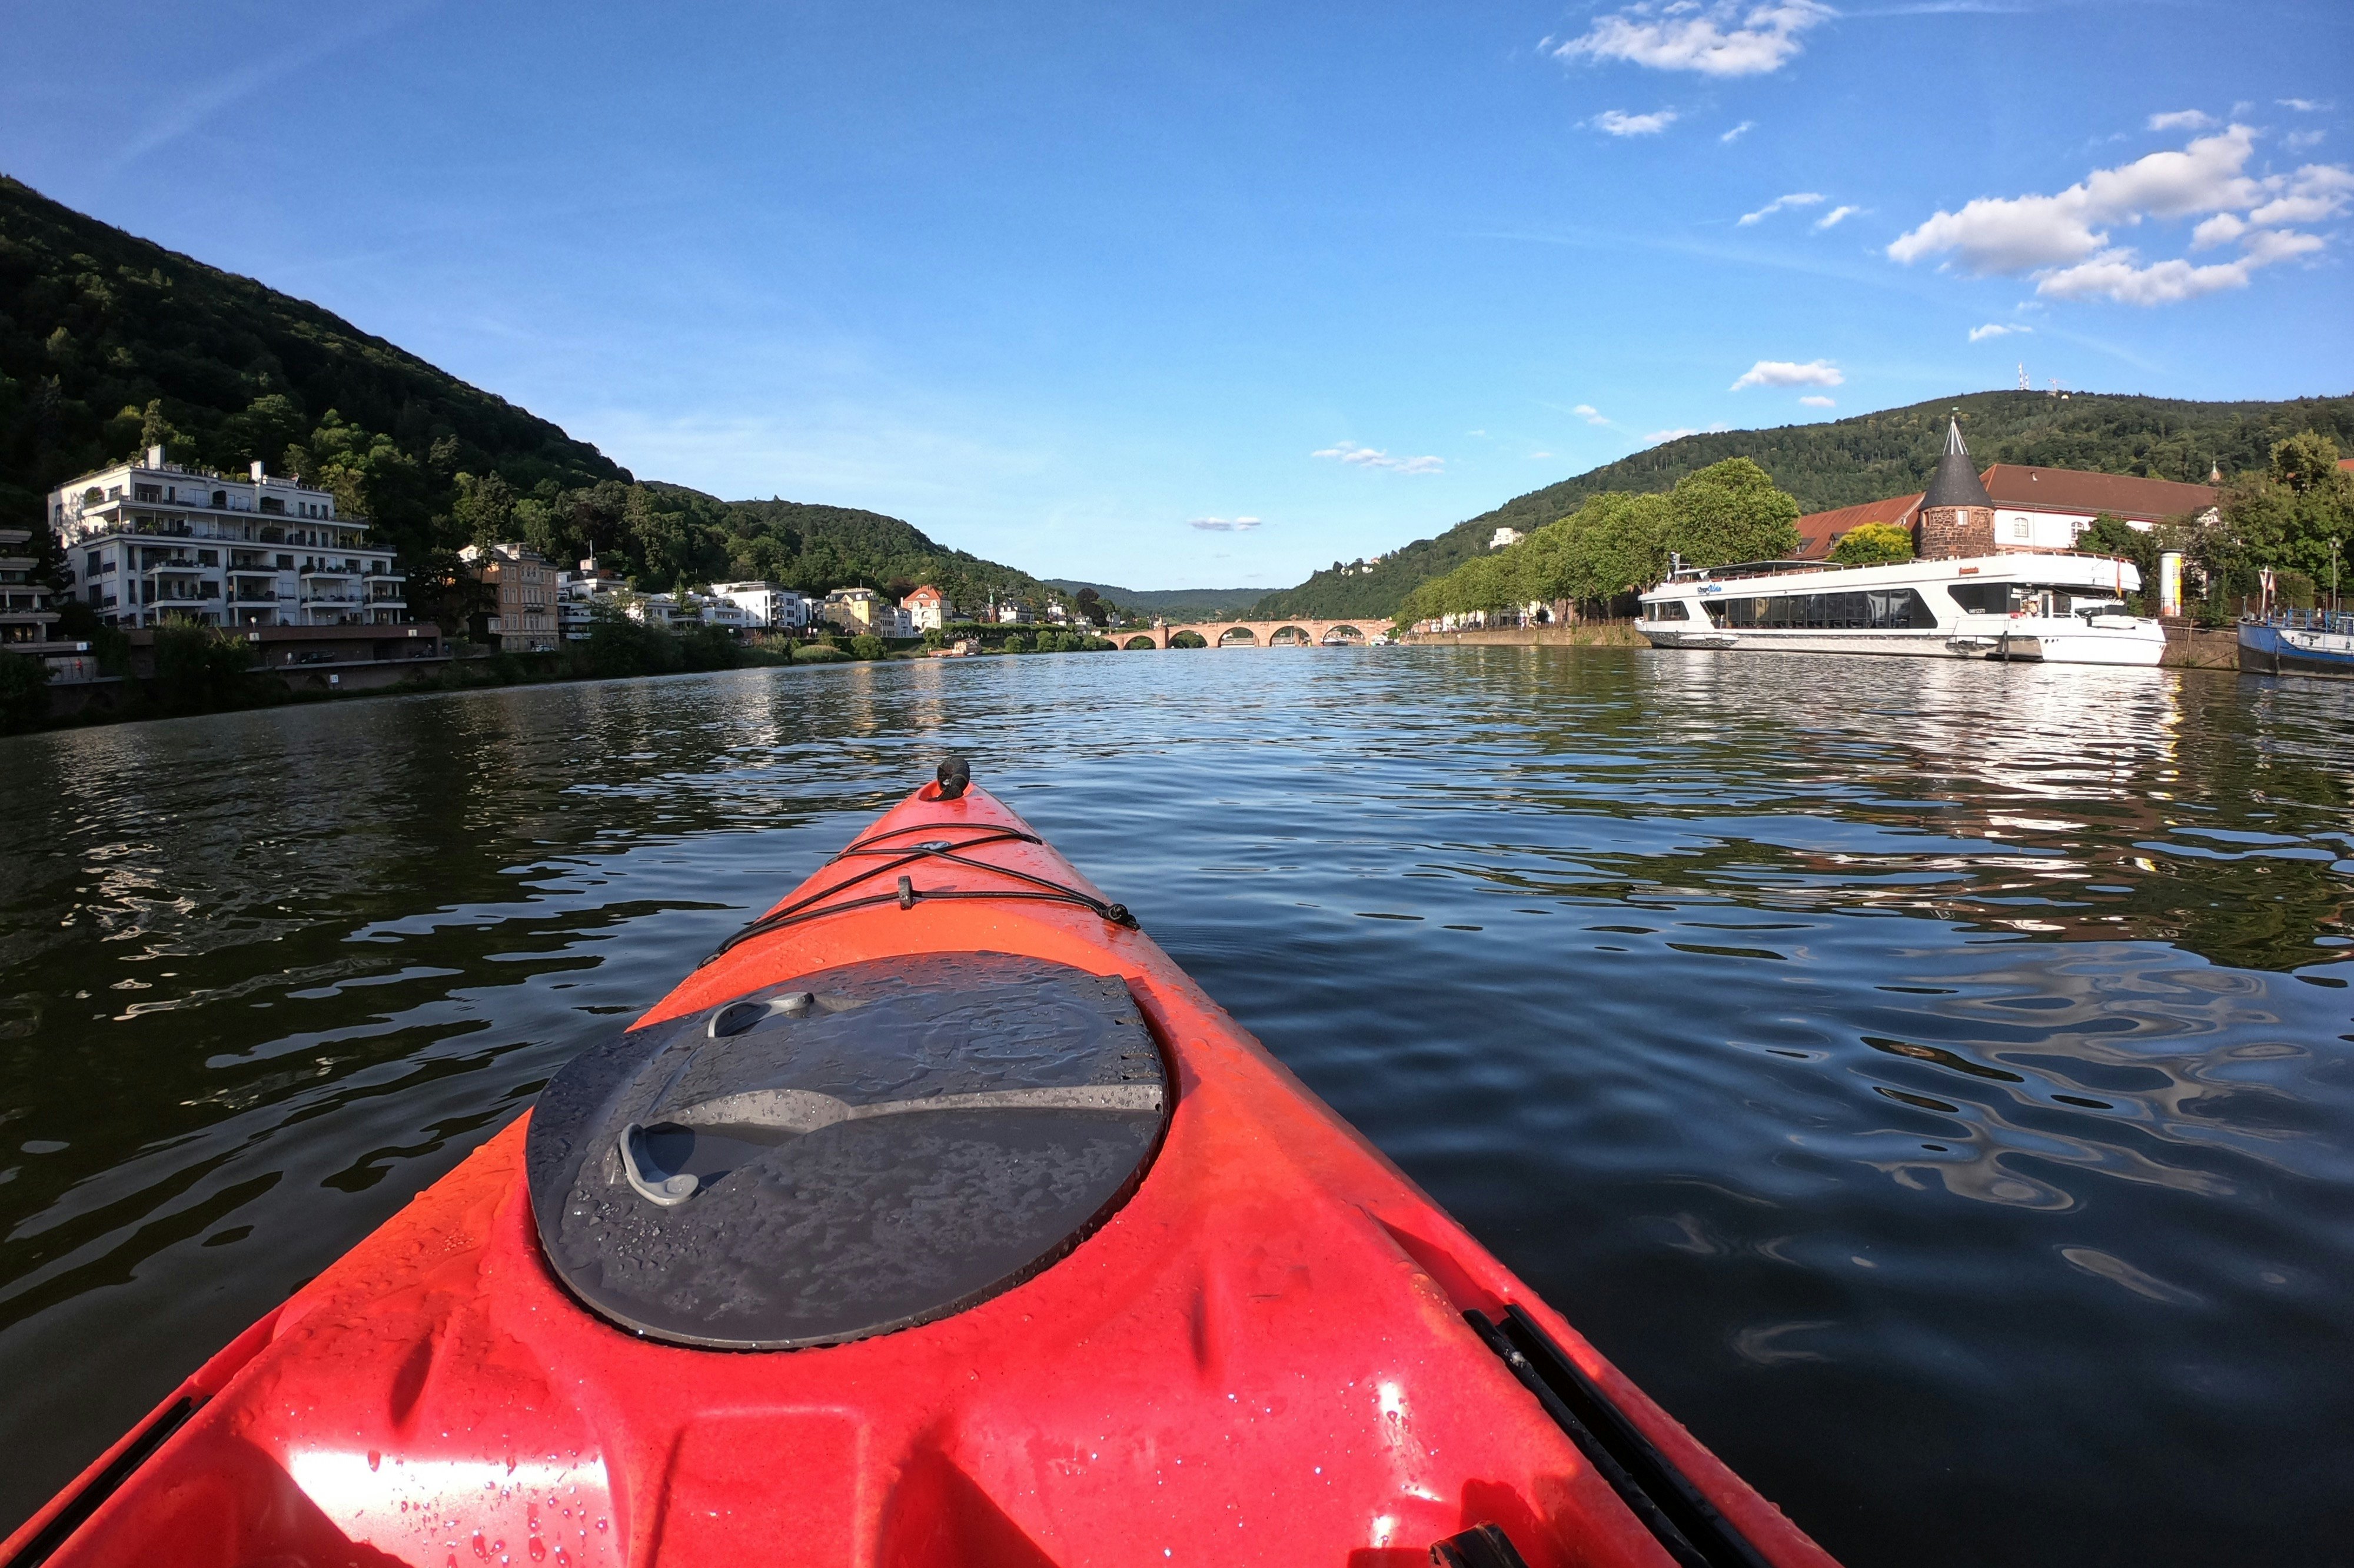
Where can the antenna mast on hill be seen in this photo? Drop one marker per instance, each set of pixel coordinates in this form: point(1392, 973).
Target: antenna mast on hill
point(2024, 384)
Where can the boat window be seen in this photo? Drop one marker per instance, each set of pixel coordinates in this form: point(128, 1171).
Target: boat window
point(1665, 610)
point(1872, 610)
point(1985, 598)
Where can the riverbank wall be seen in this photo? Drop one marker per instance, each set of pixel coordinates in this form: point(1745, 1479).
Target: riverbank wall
point(1578, 634)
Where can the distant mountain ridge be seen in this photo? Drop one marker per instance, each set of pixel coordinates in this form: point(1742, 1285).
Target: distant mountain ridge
point(109, 343)
point(1169, 604)
point(1864, 457)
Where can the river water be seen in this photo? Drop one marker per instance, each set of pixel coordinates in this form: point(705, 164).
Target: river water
point(1933, 1082)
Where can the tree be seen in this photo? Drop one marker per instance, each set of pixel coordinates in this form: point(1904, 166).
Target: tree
point(1874, 545)
point(485, 508)
point(1016, 643)
point(867, 645)
point(2109, 535)
point(24, 692)
point(1731, 512)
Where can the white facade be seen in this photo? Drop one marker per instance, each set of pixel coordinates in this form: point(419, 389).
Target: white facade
point(2025, 528)
point(147, 540)
point(577, 592)
point(766, 606)
point(1014, 615)
point(1503, 536)
point(929, 610)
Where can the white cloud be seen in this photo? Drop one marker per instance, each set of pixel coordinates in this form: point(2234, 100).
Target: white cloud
point(2315, 192)
point(1785, 373)
point(2114, 275)
point(1995, 329)
point(1837, 215)
point(2221, 229)
point(2183, 119)
point(1818, 402)
point(1370, 457)
point(2302, 105)
point(1796, 199)
point(1223, 525)
point(1738, 131)
point(1619, 123)
point(1716, 40)
point(2298, 140)
point(1534, 456)
point(1590, 414)
point(2065, 240)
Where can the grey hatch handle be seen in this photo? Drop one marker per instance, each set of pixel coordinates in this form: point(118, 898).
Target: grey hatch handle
point(670, 1190)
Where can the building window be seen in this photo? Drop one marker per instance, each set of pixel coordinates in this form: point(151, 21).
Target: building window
point(2018, 528)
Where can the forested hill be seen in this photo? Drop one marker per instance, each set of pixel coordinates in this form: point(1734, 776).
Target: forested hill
point(110, 343)
point(1865, 459)
point(1171, 604)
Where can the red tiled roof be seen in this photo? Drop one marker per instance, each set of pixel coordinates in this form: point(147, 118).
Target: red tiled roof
point(1818, 531)
point(2073, 490)
point(2347, 463)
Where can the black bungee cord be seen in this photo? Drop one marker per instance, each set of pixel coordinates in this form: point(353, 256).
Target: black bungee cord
point(955, 776)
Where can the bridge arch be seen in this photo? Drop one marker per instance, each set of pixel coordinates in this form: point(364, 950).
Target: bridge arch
point(1237, 637)
point(1290, 634)
point(1340, 634)
point(1188, 640)
point(1135, 643)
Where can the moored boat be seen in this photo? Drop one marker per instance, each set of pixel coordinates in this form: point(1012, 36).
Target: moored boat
point(936, 1218)
point(1961, 597)
point(2299, 642)
point(2044, 608)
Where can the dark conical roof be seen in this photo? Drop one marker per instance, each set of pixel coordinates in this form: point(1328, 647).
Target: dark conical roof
point(1955, 482)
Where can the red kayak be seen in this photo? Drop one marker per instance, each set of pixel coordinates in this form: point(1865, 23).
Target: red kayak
point(937, 1218)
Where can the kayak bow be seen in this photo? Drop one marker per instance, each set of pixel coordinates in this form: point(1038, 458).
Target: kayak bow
point(937, 1218)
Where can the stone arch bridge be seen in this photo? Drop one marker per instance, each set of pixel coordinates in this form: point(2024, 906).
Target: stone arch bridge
point(1258, 634)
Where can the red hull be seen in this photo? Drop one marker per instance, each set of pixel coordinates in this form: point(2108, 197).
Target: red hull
point(1263, 1356)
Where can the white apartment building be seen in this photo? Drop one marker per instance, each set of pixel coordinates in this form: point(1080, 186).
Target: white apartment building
point(1505, 536)
point(148, 540)
point(577, 591)
point(767, 607)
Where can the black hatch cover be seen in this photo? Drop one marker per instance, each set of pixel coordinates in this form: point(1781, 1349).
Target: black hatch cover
point(853, 1151)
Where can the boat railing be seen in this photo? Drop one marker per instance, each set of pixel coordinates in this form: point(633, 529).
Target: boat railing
point(1744, 569)
point(2338, 621)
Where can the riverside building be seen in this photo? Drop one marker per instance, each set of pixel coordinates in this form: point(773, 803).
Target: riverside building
point(526, 586)
point(27, 625)
point(152, 540)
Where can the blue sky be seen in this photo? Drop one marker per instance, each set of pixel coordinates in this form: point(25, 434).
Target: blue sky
point(1215, 294)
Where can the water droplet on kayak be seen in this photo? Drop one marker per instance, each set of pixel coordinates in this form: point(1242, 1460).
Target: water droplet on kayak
point(538, 1552)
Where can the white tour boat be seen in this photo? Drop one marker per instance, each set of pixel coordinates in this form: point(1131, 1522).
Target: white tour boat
point(2059, 608)
point(1962, 599)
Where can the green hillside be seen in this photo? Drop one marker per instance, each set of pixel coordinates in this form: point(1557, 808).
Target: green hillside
point(109, 344)
point(1865, 459)
point(1169, 604)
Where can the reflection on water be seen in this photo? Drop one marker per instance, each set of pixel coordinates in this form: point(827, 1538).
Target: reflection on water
point(1931, 1080)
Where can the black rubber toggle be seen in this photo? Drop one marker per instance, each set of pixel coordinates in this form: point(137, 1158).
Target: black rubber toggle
point(955, 776)
point(1481, 1546)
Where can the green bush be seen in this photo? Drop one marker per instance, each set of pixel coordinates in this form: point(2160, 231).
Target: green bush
point(24, 692)
point(1873, 545)
point(199, 668)
point(867, 645)
point(1016, 643)
point(820, 653)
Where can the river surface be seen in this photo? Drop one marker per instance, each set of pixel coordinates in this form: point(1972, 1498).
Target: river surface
point(1932, 1081)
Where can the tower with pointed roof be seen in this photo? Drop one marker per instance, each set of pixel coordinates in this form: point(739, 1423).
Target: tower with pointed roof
point(1956, 516)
